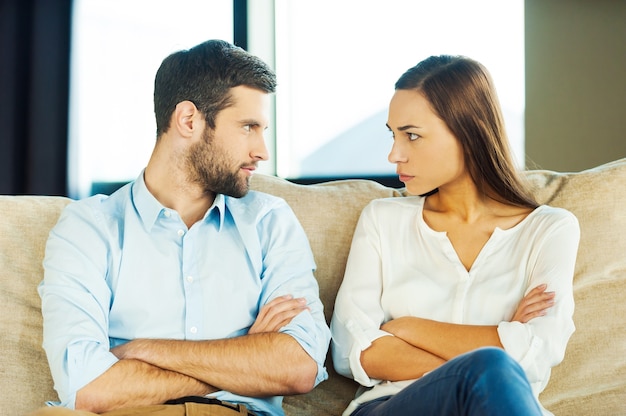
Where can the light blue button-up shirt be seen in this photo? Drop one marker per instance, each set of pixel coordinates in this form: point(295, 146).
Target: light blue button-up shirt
point(124, 267)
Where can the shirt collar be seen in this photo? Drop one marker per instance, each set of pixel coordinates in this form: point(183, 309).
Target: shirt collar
point(149, 208)
point(219, 204)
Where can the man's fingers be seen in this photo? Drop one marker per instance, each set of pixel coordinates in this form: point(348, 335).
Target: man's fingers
point(277, 313)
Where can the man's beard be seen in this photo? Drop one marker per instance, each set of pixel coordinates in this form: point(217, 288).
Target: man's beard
point(208, 167)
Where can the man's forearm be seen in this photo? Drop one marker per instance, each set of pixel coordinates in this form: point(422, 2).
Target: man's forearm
point(131, 383)
point(252, 365)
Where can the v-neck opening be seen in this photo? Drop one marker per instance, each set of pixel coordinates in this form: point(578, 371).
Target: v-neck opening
point(449, 248)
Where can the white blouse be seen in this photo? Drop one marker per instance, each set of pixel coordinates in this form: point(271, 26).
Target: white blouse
point(399, 266)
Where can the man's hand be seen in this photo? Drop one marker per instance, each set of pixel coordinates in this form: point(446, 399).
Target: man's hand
point(277, 313)
point(534, 304)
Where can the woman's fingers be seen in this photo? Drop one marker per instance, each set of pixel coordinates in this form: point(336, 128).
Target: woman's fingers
point(535, 303)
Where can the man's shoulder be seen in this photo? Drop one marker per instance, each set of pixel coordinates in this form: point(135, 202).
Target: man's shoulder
point(101, 206)
point(256, 201)
point(257, 208)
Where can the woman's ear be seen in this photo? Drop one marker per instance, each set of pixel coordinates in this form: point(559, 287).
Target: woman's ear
point(186, 118)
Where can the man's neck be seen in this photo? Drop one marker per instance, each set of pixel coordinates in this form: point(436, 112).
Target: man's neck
point(170, 186)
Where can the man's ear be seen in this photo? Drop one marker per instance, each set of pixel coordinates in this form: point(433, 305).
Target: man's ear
point(186, 118)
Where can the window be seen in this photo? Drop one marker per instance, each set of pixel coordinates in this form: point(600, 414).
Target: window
point(117, 48)
point(337, 62)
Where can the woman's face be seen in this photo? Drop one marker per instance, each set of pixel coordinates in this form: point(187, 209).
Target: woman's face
point(426, 153)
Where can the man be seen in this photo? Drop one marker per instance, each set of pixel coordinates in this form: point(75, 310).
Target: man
point(182, 285)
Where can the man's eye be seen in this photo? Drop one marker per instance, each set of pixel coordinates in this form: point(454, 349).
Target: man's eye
point(413, 136)
point(247, 127)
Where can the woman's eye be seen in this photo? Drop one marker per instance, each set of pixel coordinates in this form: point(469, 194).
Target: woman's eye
point(247, 127)
point(413, 136)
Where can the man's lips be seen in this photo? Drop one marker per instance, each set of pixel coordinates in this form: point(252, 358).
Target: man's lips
point(249, 169)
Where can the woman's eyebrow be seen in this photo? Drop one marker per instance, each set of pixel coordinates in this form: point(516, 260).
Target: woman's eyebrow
point(403, 128)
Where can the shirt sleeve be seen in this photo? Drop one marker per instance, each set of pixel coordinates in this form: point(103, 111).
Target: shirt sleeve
point(539, 344)
point(358, 313)
point(75, 302)
point(288, 267)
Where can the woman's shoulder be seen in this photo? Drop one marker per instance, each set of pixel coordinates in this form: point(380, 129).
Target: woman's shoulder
point(396, 204)
point(554, 213)
point(392, 210)
point(547, 217)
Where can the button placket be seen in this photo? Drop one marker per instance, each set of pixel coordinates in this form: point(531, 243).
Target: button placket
point(193, 301)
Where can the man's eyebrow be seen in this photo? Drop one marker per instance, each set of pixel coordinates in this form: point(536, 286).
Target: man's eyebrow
point(249, 121)
point(253, 122)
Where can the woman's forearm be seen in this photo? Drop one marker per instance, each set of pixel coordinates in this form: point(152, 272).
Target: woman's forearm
point(443, 339)
point(390, 358)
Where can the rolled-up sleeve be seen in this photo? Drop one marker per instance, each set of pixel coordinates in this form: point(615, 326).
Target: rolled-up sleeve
point(358, 313)
point(75, 301)
point(540, 344)
point(287, 269)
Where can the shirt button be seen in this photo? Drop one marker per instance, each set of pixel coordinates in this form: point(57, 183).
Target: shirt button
point(167, 213)
point(181, 233)
point(193, 329)
point(189, 279)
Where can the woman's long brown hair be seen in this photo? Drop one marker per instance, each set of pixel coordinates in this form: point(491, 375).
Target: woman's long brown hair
point(461, 93)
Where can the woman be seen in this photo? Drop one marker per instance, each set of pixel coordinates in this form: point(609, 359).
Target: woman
point(457, 300)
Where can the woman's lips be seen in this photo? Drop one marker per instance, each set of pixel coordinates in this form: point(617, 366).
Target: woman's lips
point(404, 178)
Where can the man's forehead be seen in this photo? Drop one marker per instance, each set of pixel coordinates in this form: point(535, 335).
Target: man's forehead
point(247, 105)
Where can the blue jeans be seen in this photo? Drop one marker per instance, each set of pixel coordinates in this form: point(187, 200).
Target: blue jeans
point(483, 382)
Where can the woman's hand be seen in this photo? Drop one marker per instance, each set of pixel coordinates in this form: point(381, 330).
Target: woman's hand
point(535, 303)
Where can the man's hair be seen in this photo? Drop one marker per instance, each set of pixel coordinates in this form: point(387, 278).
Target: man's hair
point(460, 91)
point(204, 75)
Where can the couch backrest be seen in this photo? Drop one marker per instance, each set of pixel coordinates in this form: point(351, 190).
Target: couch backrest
point(594, 368)
point(25, 381)
point(328, 213)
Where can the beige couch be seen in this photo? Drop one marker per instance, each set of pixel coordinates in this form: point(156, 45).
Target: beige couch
point(590, 381)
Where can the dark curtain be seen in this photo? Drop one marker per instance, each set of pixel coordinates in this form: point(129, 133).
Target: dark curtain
point(34, 96)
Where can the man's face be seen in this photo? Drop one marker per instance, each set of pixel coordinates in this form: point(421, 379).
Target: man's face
point(224, 159)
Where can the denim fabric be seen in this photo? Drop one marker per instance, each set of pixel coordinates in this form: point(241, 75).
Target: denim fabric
point(483, 382)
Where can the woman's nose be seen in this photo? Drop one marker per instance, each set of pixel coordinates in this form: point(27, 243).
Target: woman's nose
point(396, 155)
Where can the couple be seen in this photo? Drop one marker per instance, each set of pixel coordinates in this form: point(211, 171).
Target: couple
point(183, 292)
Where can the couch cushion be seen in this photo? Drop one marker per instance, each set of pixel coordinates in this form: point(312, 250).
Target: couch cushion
point(25, 380)
point(328, 213)
point(591, 380)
